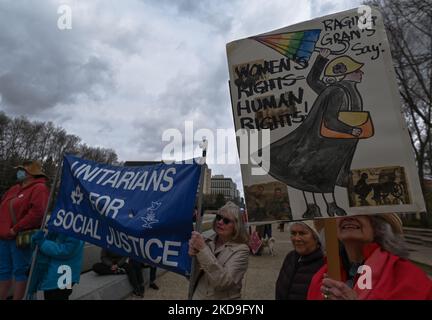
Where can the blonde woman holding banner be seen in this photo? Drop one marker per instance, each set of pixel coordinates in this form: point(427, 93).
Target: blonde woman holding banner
point(222, 258)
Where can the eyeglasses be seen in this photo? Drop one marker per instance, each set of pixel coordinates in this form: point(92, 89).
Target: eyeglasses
point(225, 220)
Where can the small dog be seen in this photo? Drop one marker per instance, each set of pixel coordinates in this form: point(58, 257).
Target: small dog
point(269, 244)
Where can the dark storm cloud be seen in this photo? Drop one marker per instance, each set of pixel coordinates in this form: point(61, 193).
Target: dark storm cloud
point(42, 66)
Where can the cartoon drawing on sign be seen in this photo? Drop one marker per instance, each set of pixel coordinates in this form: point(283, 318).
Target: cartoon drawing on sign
point(297, 46)
point(378, 186)
point(150, 216)
point(362, 189)
point(268, 201)
point(316, 157)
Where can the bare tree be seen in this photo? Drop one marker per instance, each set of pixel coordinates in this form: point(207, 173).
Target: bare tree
point(409, 28)
point(21, 139)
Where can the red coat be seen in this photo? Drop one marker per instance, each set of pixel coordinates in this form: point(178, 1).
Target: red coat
point(393, 278)
point(29, 204)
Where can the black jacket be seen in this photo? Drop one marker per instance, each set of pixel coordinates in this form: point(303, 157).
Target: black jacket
point(296, 274)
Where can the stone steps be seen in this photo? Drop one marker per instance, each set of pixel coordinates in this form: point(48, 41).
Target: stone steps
point(418, 236)
point(419, 231)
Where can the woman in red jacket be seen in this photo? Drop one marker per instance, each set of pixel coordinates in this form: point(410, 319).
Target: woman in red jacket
point(21, 208)
point(376, 243)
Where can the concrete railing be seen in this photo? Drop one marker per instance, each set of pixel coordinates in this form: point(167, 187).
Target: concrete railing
point(116, 287)
point(418, 236)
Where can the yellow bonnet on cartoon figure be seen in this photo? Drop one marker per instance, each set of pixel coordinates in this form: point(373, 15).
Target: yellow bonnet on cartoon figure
point(341, 66)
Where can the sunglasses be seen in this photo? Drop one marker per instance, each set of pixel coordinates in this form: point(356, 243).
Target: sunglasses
point(225, 220)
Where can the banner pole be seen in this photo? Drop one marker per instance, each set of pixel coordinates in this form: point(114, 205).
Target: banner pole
point(332, 249)
point(44, 220)
point(198, 221)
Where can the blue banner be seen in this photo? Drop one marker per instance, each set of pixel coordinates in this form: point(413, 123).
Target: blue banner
point(141, 212)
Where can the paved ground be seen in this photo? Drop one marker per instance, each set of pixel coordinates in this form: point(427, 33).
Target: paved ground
point(262, 273)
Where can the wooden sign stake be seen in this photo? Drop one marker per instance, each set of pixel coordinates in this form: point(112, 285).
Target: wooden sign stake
point(332, 249)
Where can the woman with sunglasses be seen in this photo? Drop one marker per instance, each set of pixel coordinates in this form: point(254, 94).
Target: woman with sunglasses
point(222, 258)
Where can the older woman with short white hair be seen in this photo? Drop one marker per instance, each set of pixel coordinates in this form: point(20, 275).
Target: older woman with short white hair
point(374, 241)
point(222, 258)
point(300, 264)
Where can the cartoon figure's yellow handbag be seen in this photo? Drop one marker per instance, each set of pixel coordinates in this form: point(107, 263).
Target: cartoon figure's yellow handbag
point(358, 119)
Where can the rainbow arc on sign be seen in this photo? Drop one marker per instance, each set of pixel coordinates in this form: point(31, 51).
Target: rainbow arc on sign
point(297, 46)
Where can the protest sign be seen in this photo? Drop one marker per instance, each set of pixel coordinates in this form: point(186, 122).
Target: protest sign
point(327, 92)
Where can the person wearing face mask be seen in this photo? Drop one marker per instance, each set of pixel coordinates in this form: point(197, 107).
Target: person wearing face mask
point(375, 242)
point(301, 263)
point(21, 208)
point(223, 258)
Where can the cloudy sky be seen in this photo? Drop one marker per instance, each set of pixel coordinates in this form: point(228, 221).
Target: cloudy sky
point(129, 70)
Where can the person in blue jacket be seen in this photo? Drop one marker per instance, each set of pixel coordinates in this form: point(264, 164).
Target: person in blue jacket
point(58, 265)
